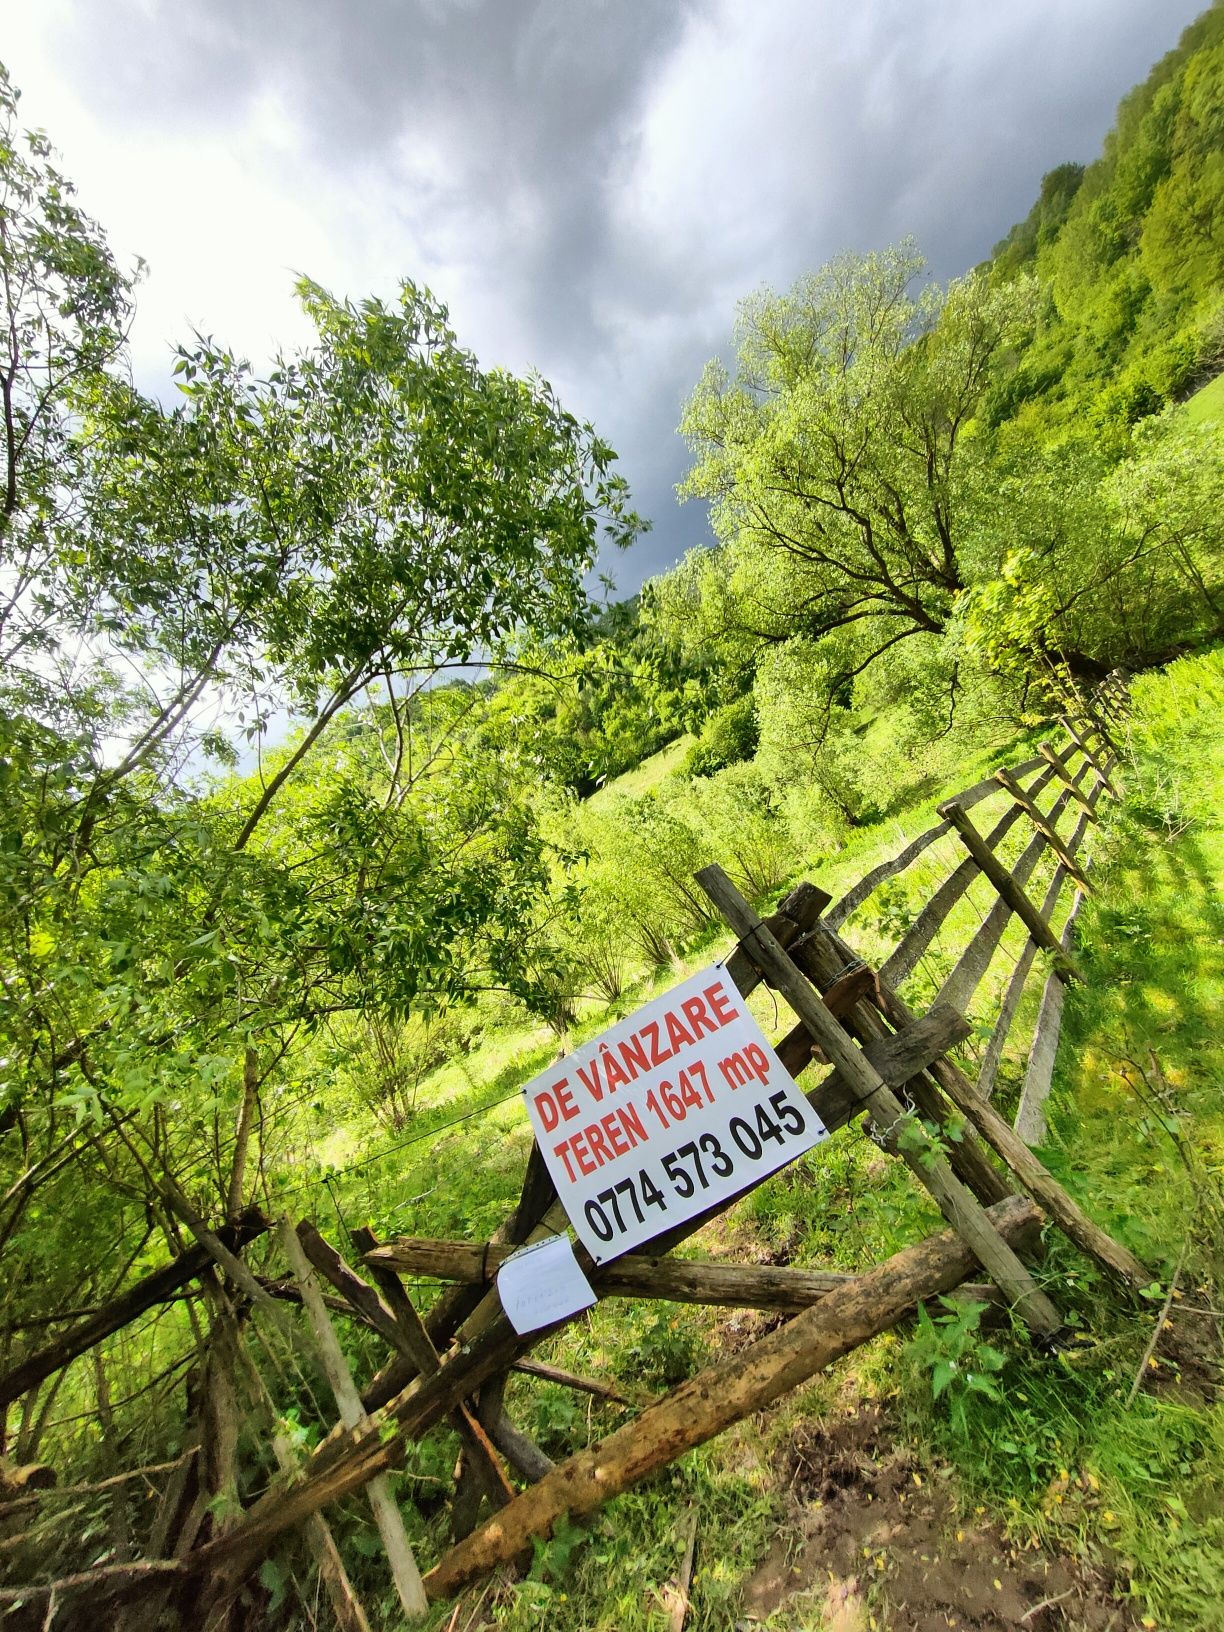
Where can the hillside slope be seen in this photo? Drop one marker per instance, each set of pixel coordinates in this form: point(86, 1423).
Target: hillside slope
point(1129, 252)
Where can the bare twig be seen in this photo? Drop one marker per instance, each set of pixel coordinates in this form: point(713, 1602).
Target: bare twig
point(1163, 1316)
point(148, 1569)
point(6, 1507)
point(680, 1595)
point(567, 1379)
point(1046, 1603)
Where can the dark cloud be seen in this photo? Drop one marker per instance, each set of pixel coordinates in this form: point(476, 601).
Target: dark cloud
point(593, 185)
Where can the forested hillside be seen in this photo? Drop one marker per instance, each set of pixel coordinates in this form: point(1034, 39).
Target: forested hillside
point(1127, 253)
point(338, 795)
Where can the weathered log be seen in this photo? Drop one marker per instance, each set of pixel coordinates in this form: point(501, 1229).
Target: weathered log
point(932, 1170)
point(519, 1449)
point(993, 1052)
point(358, 1293)
point(1052, 759)
point(870, 882)
point(1080, 742)
point(1036, 1178)
point(153, 1289)
point(637, 1275)
point(721, 1395)
point(797, 1050)
point(794, 913)
point(897, 1057)
point(960, 986)
point(1006, 886)
point(571, 1380)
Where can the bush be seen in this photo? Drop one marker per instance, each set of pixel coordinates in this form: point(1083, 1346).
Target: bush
point(728, 737)
point(392, 1058)
point(746, 828)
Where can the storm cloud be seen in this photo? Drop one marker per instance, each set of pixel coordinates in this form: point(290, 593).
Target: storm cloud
point(590, 186)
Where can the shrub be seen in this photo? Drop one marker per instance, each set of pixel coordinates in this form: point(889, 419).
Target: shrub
point(728, 737)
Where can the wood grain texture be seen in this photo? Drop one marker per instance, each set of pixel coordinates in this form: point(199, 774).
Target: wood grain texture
point(721, 1395)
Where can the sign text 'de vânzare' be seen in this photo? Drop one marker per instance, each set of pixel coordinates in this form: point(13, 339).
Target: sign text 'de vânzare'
point(674, 1109)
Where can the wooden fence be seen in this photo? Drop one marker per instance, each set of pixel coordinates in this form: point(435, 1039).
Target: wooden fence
point(874, 1058)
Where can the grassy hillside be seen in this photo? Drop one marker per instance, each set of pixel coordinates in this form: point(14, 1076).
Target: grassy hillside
point(1061, 1477)
point(1207, 405)
point(1129, 253)
point(647, 776)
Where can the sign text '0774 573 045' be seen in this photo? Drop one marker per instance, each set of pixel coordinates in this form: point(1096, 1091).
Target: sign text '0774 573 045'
point(667, 1113)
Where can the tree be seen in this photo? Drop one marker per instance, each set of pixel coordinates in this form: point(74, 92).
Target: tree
point(843, 481)
point(325, 542)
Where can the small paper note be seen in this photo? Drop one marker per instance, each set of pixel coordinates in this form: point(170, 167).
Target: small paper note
point(543, 1283)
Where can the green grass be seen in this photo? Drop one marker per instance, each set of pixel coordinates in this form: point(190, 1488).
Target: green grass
point(644, 778)
point(1136, 1133)
point(1207, 404)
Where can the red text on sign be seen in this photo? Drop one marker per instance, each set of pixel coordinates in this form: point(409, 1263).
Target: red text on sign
point(603, 1141)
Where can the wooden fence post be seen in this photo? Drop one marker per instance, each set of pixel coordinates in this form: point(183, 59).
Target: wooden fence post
point(1077, 737)
point(1051, 758)
point(1044, 826)
point(1030, 1115)
point(1006, 886)
point(387, 1516)
point(962, 1209)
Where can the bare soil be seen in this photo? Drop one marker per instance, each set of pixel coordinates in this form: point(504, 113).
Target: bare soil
point(877, 1543)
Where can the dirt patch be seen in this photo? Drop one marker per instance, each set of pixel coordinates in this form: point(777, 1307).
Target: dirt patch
point(869, 1527)
point(1187, 1354)
point(746, 1327)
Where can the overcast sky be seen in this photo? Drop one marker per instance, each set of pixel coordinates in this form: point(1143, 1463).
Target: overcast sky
point(590, 186)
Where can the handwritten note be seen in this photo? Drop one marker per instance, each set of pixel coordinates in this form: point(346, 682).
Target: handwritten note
point(543, 1283)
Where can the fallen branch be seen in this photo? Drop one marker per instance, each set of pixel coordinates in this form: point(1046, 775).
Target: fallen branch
point(140, 1571)
point(567, 1379)
point(153, 1289)
point(723, 1394)
point(8, 1503)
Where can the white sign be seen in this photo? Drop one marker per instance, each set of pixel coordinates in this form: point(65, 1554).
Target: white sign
point(542, 1284)
point(673, 1110)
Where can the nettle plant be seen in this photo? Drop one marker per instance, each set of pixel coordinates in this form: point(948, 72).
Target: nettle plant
point(960, 1362)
